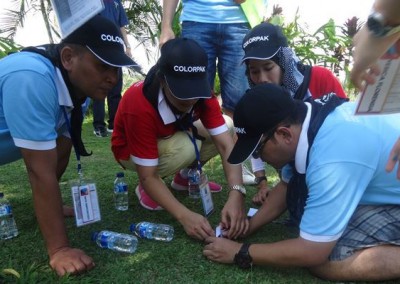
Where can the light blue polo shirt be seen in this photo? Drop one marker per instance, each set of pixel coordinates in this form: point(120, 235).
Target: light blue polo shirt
point(32, 92)
point(347, 168)
point(212, 11)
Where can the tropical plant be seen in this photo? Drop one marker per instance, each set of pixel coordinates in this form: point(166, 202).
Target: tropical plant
point(7, 46)
point(329, 46)
point(145, 22)
point(14, 17)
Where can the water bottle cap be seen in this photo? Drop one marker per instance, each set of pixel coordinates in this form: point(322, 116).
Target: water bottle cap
point(1, 194)
point(94, 235)
point(120, 174)
point(132, 227)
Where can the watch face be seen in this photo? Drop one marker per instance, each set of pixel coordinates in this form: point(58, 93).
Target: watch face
point(375, 24)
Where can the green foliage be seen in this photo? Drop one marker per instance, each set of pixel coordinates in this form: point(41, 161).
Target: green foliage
point(179, 261)
point(329, 46)
point(144, 22)
point(7, 46)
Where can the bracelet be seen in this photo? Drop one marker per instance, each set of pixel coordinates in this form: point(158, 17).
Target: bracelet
point(239, 188)
point(128, 46)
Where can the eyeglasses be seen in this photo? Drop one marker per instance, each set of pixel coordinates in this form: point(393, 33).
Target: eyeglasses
point(266, 136)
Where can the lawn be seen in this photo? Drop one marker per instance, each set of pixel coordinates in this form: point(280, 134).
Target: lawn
point(179, 261)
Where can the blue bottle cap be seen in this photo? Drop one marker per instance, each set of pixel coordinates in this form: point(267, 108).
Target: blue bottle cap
point(1, 194)
point(132, 227)
point(94, 235)
point(120, 174)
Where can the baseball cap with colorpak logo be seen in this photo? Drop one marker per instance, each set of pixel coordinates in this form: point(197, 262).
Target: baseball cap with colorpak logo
point(259, 111)
point(103, 38)
point(263, 42)
point(184, 65)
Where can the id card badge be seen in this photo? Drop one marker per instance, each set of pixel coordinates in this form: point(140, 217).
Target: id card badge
point(86, 202)
point(205, 194)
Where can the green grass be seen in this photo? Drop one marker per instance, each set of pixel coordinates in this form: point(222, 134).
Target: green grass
point(179, 261)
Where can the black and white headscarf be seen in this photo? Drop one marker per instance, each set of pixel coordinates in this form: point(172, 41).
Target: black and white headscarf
point(292, 76)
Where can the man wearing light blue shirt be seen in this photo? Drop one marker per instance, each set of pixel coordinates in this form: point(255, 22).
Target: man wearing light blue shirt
point(350, 228)
point(41, 92)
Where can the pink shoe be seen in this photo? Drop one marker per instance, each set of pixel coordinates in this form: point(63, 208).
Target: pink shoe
point(180, 184)
point(145, 200)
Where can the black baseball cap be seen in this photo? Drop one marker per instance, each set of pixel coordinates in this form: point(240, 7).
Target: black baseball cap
point(184, 64)
point(260, 110)
point(263, 42)
point(103, 38)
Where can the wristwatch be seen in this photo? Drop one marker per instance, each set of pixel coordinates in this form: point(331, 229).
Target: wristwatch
point(377, 25)
point(243, 258)
point(239, 188)
point(258, 180)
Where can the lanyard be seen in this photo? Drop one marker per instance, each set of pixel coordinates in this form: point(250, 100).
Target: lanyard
point(192, 138)
point(78, 156)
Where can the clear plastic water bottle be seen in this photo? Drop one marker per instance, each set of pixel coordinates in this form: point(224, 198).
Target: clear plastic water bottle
point(194, 183)
point(8, 227)
point(120, 192)
point(152, 231)
point(115, 241)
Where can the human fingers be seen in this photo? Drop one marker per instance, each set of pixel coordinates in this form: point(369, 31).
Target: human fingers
point(237, 227)
point(221, 250)
point(256, 200)
point(206, 230)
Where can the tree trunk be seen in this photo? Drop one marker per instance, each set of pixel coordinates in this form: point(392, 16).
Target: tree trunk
point(45, 17)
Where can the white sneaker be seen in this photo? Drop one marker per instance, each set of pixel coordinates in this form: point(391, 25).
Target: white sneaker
point(248, 177)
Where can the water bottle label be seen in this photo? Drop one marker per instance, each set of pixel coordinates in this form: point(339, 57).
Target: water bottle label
point(194, 178)
point(5, 210)
point(104, 239)
point(143, 229)
point(121, 187)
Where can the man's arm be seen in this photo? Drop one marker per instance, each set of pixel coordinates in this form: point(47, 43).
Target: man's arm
point(43, 171)
point(169, 8)
point(368, 48)
point(390, 9)
point(294, 252)
point(263, 188)
point(233, 215)
point(195, 225)
point(271, 209)
point(126, 42)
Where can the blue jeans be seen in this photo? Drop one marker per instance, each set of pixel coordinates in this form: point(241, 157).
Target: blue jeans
point(223, 45)
point(113, 99)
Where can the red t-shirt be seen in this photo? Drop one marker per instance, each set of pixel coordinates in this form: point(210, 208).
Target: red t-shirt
point(138, 125)
point(323, 82)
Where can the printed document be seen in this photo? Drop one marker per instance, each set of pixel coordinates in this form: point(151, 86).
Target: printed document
point(383, 96)
point(71, 14)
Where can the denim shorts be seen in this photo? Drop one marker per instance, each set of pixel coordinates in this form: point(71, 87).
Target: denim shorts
point(223, 45)
point(369, 226)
